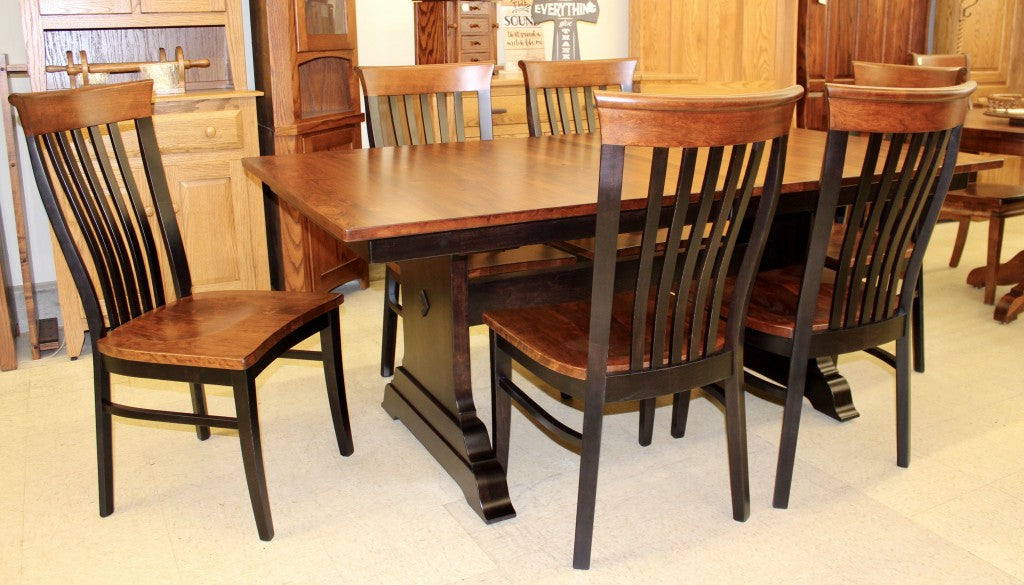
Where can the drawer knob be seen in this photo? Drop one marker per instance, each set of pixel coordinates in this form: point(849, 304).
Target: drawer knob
point(210, 132)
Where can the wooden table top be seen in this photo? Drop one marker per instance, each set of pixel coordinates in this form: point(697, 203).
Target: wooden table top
point(984, 133)
point(373, 194)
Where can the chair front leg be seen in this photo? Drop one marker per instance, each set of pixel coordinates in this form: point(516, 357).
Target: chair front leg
point(334, 373)
point(244, 387)
point(104, 435)
point(199, 407)
point(389, 328)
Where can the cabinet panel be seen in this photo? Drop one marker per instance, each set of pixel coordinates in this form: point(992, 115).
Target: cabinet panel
point(325, 25)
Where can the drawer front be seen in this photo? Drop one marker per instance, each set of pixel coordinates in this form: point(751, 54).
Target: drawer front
point(336, 139)
point(85, 7)
point(182, 5)
point(476, 43)
point(478, 9)
point(474, 26)
point(474, 57)
point(190, 132)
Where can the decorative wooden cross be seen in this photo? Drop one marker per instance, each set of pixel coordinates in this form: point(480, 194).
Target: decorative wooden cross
point(565, 14)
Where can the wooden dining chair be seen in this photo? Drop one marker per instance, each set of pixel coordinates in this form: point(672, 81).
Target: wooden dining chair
point(810, 311)
point(132, 275)
point(894, 75)
point(980, 201)
point(425, 104)
point(663, 335)
point(564, 91)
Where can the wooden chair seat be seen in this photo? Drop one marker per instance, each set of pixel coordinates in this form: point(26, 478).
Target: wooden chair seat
point(984, 200)
point(772, 308)
point(230, 330)
point(555, 336)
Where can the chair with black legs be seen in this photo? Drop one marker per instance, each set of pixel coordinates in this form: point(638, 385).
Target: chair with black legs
point(864, 300)
point(564, 91)
point(133, 278)
point(423, 105)
point(695, 160)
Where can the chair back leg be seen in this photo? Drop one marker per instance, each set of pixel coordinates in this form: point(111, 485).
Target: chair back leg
point(199, 407)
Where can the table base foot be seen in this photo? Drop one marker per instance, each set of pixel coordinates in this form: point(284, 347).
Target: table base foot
point(1010, 305)
point(469, 461)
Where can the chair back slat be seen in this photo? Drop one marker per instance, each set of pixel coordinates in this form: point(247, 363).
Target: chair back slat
point(702, 189)
point(423, 104)
point(87, 184)
point(908, 164)
point(561, 84)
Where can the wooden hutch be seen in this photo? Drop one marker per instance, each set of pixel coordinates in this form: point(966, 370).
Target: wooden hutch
point(304, 55)
point(449, 31)
point(203, 133)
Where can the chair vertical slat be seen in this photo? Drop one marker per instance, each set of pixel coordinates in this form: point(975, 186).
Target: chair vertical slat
point(648, 245)
point(399, 122)
point(70, 184)
point(889, 207)
point(549, 101)
point(673, 243)
point(373, 122)
point(181, 277)
point(411, 112)
point(851, 248)
point(107, 195)
point(712, 170)
point(574, 102)
point(442, 116)
point(732, 226)
point(710, 251)
point(460, 117)
point(533, 112)
point(483, 100)
point(426, 112)
point(139, 209)
point(588, 99)
point(563, 109)
point(876, 200)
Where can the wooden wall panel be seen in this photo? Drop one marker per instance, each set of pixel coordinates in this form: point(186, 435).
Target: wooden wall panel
point(992, 33)
point(687, 46)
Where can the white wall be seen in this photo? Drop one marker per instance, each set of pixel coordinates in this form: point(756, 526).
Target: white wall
point(386, 37)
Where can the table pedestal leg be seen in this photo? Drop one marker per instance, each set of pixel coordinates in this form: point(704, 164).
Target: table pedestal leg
point(825, 388)
point(432, 393)
point(1010, 305)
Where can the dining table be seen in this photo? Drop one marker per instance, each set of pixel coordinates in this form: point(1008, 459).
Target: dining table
point(427, 207)
point(999, 135)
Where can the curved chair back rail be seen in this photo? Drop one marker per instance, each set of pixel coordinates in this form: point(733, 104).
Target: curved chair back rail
point(665, 334)
point(561, 84)
point(892, 75)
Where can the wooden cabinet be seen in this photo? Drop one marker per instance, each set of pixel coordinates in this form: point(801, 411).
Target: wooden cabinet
point(304, 52)
point(833, 35)
point(203, 133)
point(451, 32)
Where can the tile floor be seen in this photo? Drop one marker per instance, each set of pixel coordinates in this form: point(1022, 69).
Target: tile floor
point(389, 514)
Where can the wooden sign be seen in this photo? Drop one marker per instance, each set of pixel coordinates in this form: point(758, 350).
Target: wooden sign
point(523, 39)
point(565, 14)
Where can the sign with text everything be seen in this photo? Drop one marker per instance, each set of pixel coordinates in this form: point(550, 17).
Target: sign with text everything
point(565, 14)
